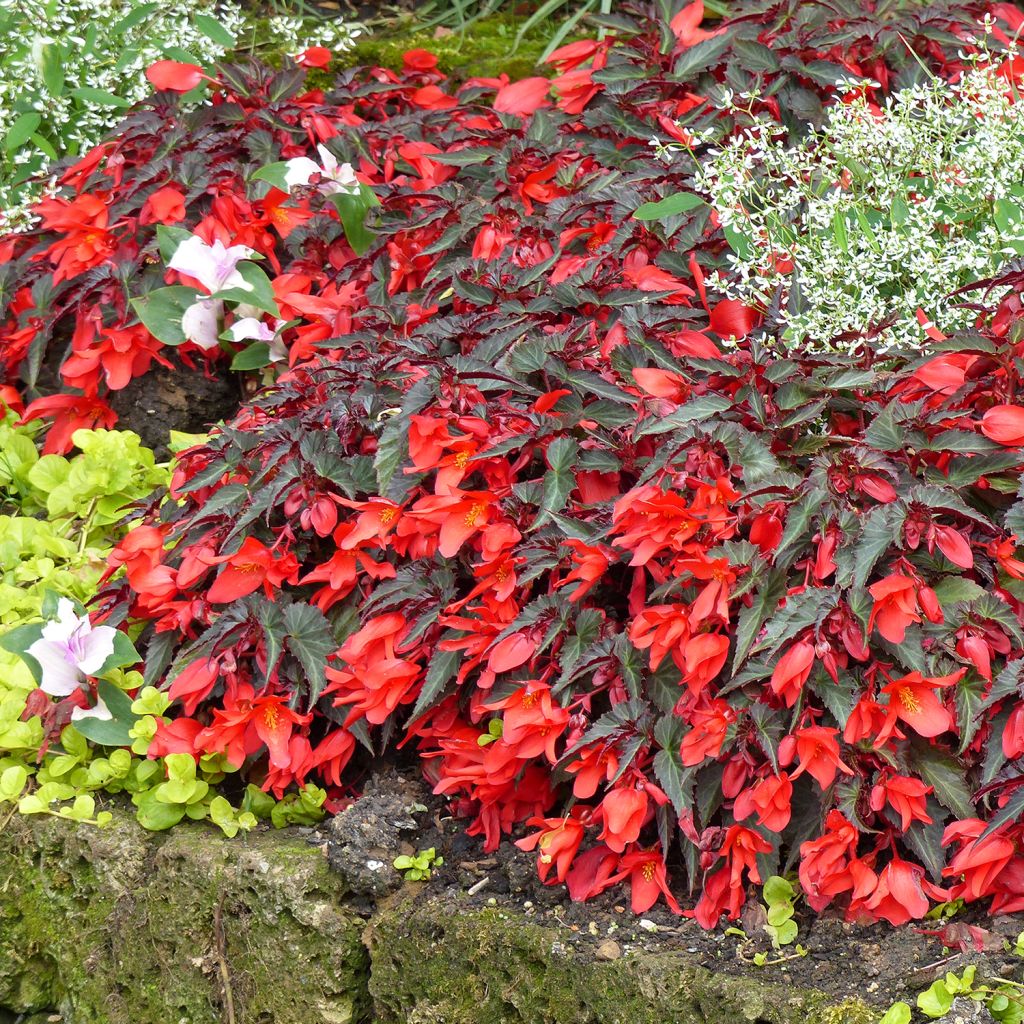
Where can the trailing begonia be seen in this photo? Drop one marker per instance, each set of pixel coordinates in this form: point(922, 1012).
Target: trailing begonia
point(531, 500)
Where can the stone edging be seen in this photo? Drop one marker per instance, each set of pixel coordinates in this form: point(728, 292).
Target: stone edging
point(120, 926)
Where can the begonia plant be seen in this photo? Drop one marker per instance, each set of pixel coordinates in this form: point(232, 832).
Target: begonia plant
point(530, 499)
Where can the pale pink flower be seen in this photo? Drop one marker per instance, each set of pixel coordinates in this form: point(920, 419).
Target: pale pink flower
point(250, 328)
point(200, 323)
point(70, 650)
point(215, 266)
point(334, 177)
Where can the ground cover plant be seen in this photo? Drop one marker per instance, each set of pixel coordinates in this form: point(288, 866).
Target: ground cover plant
point(678, 601)
point(60, 517)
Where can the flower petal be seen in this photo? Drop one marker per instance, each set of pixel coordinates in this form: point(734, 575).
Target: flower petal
point(97, 647)
point(60, 677)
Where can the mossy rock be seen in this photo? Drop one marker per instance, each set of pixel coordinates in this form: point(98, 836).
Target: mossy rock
point(487, 48)
point(483, 50)
point(435, 964)
point(119, 926)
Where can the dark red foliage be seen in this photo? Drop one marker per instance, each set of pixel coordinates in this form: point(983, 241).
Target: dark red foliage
point(517, 504)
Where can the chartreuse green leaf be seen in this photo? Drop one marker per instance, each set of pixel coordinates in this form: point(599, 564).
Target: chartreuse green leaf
point(778, 895)
point(12, 783)
point(227, 819)
point(49, 473)
point(417, 868)
point(936, 1000)
point(154, 814)
point(898, 1013)
point(777, 890)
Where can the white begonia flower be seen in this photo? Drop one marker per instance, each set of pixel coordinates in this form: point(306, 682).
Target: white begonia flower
point(252, 329)
point(70, 649)
point(335, 178)
point(215, 266)
point(200, 323)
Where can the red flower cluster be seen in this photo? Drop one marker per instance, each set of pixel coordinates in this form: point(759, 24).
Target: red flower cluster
point(515, 502)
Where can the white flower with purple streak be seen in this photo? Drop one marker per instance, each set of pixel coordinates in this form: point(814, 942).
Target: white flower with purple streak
point(70, 650)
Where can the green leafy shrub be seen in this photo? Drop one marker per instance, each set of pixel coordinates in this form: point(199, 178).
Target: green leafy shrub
point(60, 517)
point(70, 68)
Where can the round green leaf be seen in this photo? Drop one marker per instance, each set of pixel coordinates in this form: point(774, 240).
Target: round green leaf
point(161, 311)
point(157, 816)
point(898, 1013)
point(777, 890)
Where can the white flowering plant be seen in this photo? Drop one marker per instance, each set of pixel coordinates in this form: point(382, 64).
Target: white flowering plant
point(70, 68)
point(869, 226)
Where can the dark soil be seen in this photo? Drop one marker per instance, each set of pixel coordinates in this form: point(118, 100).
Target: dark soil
point(878, 963)
point(182, 399)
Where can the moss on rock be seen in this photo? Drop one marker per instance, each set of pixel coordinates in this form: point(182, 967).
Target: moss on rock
point(117, 926)
point(120, 926)
point(484, 50)
point(434, 966)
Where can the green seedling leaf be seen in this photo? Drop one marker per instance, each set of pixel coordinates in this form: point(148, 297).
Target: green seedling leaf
point(898, 1013)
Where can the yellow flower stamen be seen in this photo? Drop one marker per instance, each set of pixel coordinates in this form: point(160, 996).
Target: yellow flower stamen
point(908, 700)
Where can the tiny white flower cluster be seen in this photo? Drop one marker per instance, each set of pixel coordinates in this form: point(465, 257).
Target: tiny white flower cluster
point(288, 30)
point(880, 213)
point(69, 61)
